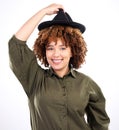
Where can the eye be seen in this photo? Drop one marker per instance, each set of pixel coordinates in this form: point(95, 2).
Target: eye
point(63, 48)
point(49, 48)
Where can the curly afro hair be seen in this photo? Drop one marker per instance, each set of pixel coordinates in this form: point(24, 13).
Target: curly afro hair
point(71, 37)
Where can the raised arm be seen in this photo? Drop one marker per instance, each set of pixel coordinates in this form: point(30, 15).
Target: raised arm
point(28, 27)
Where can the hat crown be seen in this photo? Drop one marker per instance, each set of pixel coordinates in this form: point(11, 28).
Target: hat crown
point(62, 16)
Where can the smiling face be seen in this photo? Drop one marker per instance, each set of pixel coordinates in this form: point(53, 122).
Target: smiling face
point(58, 57)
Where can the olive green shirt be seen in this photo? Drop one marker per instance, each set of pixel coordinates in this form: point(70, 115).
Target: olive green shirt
point(57, 103)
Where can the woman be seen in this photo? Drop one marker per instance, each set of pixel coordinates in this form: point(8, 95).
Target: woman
point(59, 97)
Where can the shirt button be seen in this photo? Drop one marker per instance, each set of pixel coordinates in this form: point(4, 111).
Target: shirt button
point(63, 86)
point(64, 116)
point(64, 94)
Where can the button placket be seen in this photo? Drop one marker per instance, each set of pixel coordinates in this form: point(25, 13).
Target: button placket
point(64, 107)
point(64, 91)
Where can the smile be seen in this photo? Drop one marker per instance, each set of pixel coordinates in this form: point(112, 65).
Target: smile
point(56, 61)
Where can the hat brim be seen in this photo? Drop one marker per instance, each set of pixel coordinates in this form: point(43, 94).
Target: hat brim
point(47, 24)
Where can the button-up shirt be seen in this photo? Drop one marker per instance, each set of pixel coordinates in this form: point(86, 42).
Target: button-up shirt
point(74, 102)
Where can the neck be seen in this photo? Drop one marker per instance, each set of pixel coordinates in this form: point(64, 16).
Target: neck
point(62, 73)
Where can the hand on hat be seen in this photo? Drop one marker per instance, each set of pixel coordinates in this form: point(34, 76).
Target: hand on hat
point(53, 9)
point(28, 27)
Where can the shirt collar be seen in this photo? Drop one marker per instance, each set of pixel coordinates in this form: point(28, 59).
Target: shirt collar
point(71, 72)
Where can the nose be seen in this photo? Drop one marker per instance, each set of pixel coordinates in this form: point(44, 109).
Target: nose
point(56, 53)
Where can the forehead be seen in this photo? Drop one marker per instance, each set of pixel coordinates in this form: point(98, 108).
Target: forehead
point(55, 41)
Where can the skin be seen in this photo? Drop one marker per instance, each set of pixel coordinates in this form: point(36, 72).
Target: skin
point(58, 57)
point(28, 27)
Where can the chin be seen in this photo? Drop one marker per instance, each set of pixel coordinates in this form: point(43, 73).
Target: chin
point(56, 67)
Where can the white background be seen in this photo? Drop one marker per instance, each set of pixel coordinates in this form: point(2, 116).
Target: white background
point(101, 18)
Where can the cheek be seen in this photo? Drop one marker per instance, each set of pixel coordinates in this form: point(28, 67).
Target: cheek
point(48, 55)
point(70, 54)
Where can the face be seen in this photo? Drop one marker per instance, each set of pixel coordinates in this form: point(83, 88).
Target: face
point(58, 56)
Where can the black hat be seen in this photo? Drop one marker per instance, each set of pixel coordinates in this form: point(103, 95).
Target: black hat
point(62, 18)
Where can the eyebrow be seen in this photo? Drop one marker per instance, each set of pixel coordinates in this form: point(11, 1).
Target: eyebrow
point(55, 45)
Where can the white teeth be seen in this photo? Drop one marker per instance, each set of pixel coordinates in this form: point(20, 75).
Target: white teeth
point(57, 60)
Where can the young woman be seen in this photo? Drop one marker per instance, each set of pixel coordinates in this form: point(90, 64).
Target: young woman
point(59, 96)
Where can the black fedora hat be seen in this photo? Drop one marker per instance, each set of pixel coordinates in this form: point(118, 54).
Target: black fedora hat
point(62, 18)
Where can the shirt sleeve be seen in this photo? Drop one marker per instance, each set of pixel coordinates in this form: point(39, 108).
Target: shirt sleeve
point(23, 63)
point(96, 113)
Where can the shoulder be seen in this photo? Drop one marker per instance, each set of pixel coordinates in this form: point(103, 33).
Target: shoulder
point(14, 39)
point(86, 78)
point(92, 86)
point(81, 75)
